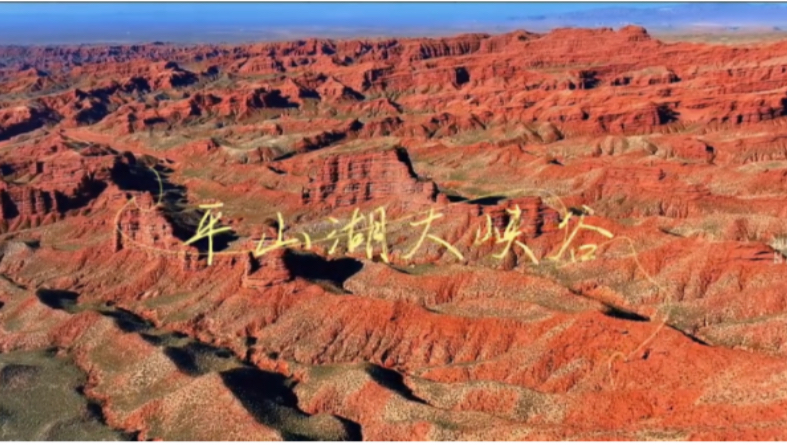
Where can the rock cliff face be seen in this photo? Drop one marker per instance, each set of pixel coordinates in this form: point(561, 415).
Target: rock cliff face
point(479, 69)
point(143, 224)
point(47, 180)
point(347, 180)
point(18, 120)
point(674, 327)
point(536, 217)
point(26, 203)
point(266, 271)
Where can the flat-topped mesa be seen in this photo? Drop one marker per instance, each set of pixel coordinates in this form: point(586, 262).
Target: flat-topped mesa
point(48, 186)
point(474, 227)
point(25, 204)
point(22, 119)
point(650, 180)
point(646, 191)
point(267, 270)
point(645, 77)
point(536, 217)
point(351, 179)
point(143, 225)
point(295, 92)
point(335, 90)
point(170, 75)
point(626, 180)
point(633, 33)
point(382, 127)
point(421, 49)
point(72, 173)
point(318, 141)
point(27, 81)
point(757, 148)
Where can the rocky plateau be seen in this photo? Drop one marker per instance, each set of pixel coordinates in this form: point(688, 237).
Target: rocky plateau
point(606, 259)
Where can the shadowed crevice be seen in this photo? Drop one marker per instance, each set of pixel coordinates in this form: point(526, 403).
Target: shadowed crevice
point(404, 157)
point(314, 267)
point(17, 376)
point(487, 200)
point(354, 429)
point(62, 300)
point(257, 389)
point(263, 394)
point(127, 321)
point(268, 397)
point(184, 360)
point(148, 174)
point(5, 416)
point(162, 340)
point(198, 358)
point(614, 312)
point(694, 338)
point(392, 380)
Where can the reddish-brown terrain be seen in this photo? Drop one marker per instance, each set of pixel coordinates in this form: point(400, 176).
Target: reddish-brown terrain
point(675, 328)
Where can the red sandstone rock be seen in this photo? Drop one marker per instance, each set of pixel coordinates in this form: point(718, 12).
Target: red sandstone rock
point(18, 120)
point(352, 179)
point(676, 149)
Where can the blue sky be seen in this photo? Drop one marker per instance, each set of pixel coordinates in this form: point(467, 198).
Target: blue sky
point(300, 13)
point(52, 23)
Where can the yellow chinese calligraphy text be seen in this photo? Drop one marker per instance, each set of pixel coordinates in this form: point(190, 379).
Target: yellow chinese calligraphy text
point(427, 223)
point(279, 242)
point(590, 249)
point(207, 228)
point(510, 235)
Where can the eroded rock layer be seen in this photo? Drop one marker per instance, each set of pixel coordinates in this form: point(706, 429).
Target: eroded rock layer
point(576, 235)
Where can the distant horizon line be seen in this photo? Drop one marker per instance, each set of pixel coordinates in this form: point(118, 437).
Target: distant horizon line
point(268, 35)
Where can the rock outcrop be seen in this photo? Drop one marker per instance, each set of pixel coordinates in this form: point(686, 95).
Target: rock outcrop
point(644, 279)
point(347, 180)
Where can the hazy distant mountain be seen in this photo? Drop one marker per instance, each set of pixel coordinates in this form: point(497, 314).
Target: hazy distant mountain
point(743, 15)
